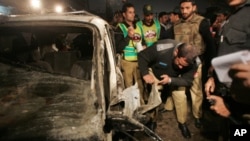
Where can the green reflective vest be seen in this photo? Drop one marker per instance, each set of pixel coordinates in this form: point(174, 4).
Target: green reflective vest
point(151, 34)
point(130, 52)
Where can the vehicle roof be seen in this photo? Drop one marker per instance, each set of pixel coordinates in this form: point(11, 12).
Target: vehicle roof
point(78, 16)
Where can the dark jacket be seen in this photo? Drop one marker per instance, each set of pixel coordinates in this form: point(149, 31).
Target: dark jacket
point(235, 35)
point(160, 58)
point(165, 33)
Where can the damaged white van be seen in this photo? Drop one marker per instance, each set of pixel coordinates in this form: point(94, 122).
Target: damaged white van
point(59, 80)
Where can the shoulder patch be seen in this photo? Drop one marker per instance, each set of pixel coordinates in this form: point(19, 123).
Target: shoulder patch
point(161, 47)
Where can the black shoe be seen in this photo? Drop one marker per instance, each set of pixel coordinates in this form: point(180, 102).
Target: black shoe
point(152, 126)
point(184, 130)
point(197, 123)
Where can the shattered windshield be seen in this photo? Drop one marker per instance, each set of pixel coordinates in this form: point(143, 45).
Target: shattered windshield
point(45, 84)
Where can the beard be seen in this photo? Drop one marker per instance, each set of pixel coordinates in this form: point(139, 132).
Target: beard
point(188, 15)
point(148, 21)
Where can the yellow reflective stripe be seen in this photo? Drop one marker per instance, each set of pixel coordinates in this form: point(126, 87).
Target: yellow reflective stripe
point(130, 53)
point(128, 48)
point(130, 58)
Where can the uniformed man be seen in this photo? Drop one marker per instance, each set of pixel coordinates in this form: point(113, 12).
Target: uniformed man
point(128, 36)
point(151, 27)
point(193, 29)
point(172, 64)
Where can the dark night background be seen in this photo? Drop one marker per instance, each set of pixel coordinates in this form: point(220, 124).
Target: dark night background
point(106, 8)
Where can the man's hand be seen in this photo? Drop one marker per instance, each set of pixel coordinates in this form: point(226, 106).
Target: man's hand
point(209, 86)
point(216, 24)
point(149, 79)
point(131, 31)
point(241, 72)
point(165, 79)
point(219, 106)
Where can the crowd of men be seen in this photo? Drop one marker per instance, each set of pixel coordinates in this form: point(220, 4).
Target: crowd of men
point(175, 51)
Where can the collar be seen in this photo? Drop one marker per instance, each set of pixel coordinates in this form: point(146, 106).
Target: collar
point(143, 21)
point(164, 26)
point(127, 25)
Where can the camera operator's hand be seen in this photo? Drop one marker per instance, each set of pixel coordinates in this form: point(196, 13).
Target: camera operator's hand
point(219, 106)
point(209, 86)
point(241, 72)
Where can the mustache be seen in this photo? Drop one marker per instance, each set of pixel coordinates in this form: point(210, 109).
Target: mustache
point(186, 15)
point(192, 12)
